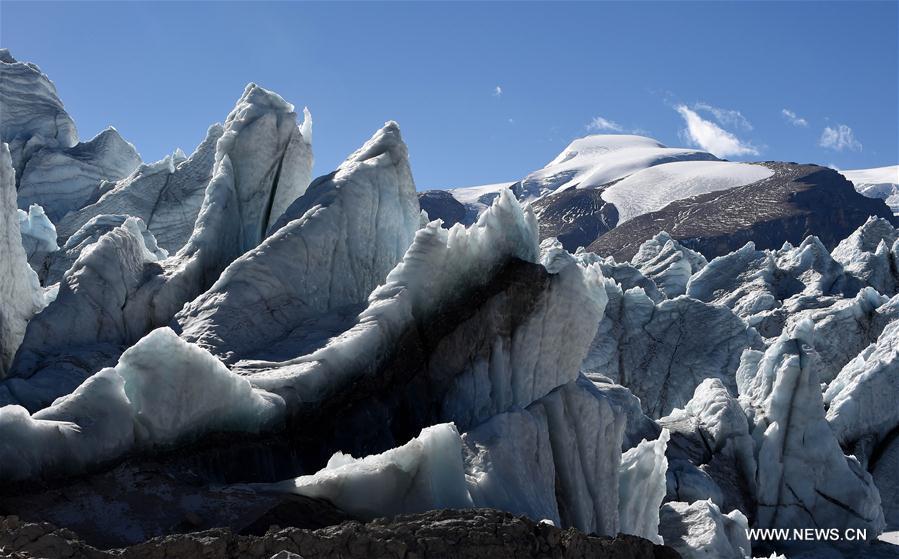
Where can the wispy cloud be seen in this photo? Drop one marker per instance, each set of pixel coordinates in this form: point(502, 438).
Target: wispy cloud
point(839, 138)
point(497, 91)
point(793, 118)
point(725, 117)
point(711, 137)
point(600, 124)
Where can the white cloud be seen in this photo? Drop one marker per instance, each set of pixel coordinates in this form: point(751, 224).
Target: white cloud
point(711, 137)
point(497, 91)
point(793, 118)
point(725, 117)
point(839, 139)
point(600, 124)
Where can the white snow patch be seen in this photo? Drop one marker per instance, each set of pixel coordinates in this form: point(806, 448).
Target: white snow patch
point(654, 188)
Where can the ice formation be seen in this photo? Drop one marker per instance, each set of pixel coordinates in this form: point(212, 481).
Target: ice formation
point(63, 180)
point(61, 261)
point(497, 477)
point(441, 269)
point(20, 291)
point(863, 414)
point(336, 244)
point(465, 366)
point(162, 391)
point(93, 304)
point(699, 530)
point(668, 264)
point(476, 199)
point(33, 115)
point(38, 236)
point(118, 290)
point(765, 287)
point(585, 432)
point(803, 477)
point(166, 195)
point(424, 474)
point(869, 254)
point(270, 160)
point(483, 467)
point(846, 327)
point(711, 454)
point(656, 350)
point(641, 487)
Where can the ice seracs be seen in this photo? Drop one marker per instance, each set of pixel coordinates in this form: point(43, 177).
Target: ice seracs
point(61, 261)
point(270, 159)
point(711, 454)
point(33, 116)
point(862, 413)
point(121, 289)
point(424, 474)
point(657, 351)
point(568, 481)
point(699, 530)
point(764, 287)
point(67, 179)
point(54, 169)
point(162, 391)
point(166, 195)
point(803, 478)
point(38, 236)
point(334, 245)
point(870, 254)
point(641, 488)
point(20, 292)
point(668, 263)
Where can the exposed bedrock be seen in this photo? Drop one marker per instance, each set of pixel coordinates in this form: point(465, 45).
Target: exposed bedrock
point(793, 203)
point(462, 534)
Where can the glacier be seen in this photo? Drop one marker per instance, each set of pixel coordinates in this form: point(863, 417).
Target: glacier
point(38, 236)
point(20, 291)
point(166, 195)
point(64, 180)
point(803, 478)
point(641, 487)
point(162, 391)
point(118, 289)
point(220, 331)
point(699, 529)
point(33, 114)
point(669, 264)
point(334, 245)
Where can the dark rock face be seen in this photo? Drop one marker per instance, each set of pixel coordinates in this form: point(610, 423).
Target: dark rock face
point(441, 204)
point(575, 217)
point(461, 534)
point(797, 201)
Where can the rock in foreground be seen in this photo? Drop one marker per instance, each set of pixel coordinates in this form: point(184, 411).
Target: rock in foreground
point(435, 534)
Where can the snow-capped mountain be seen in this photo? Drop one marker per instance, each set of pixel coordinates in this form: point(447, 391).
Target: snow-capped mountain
point(603, 182)
point(880, 182)
point(210, 346)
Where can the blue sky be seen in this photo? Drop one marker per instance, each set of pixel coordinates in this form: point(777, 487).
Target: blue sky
point(484, 92)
